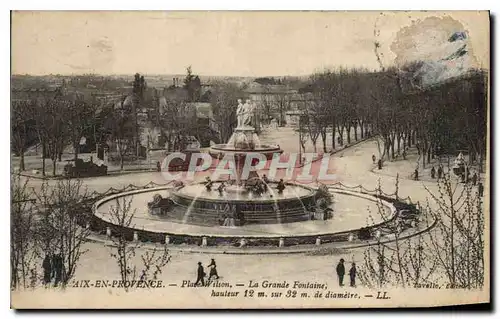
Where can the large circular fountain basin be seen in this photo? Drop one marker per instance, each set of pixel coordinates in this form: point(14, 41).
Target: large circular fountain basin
point(197, 205)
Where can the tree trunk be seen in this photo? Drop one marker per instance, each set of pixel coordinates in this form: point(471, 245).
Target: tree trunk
point(121, 162)
point(54, 161)
point(355, 126)
point(361, 129)
point(399, 144)
point(76, 149)
point(333, 136)
point(323, 139)
point(21, 161)
point(341, 135)
point(348, 131)
point(44, 149)
point(404, 143)
point(392, 148)
point(423, 156)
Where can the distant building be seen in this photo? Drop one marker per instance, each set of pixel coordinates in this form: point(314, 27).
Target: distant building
point(277, 101)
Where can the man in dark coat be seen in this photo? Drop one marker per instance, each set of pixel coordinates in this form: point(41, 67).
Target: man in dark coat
point(57, 266)
point(433, 172)
point(474, 179)
point(201, 275)
point(352, 275)
point(440, 172)
point(47, 269)
point(341, 271)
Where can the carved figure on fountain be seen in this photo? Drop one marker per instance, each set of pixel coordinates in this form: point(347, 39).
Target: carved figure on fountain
point(159, 205)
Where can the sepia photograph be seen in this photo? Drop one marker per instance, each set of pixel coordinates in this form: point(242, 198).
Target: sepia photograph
point(249, 159)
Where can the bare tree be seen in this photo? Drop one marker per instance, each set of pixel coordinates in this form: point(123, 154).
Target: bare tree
point(62, 226)
point(21, 116)
point(23, 251)
point(395, 260)
point(122, 128)
point(313, 121)
point(80, 118)
point(458, 238)
point(176, 122)
point(124, 249)
point(224, 100)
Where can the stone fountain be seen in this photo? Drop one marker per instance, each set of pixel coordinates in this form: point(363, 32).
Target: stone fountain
point(232, 202)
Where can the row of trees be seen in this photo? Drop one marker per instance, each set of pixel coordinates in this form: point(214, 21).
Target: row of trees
point(441, 119)
point(54, 122)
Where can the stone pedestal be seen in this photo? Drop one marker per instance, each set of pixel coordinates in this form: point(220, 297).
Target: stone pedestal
point(319, 215)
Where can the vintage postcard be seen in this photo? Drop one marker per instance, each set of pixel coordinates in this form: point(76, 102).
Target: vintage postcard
point(232, 159)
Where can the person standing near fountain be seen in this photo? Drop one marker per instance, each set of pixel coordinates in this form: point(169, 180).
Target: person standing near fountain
point(208, 183)
point(281, 186)
point(221, 188)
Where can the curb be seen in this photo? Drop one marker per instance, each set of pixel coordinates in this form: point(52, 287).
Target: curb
point(270, 251)
point(110, 174)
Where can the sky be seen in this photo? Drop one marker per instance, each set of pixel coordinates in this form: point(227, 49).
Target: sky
point(222, 43)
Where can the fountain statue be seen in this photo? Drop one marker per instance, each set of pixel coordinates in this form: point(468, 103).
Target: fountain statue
point(239, 113)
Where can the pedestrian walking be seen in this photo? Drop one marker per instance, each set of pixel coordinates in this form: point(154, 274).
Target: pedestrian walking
point(474, 179)
point(433, 172)
point(201, 275)
point(440, 172)
point(374, 158)
point(341, 271)
point(379, 164)
point(352, 275)
point(57, 268)
point(415, 174)
point(213, 270)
